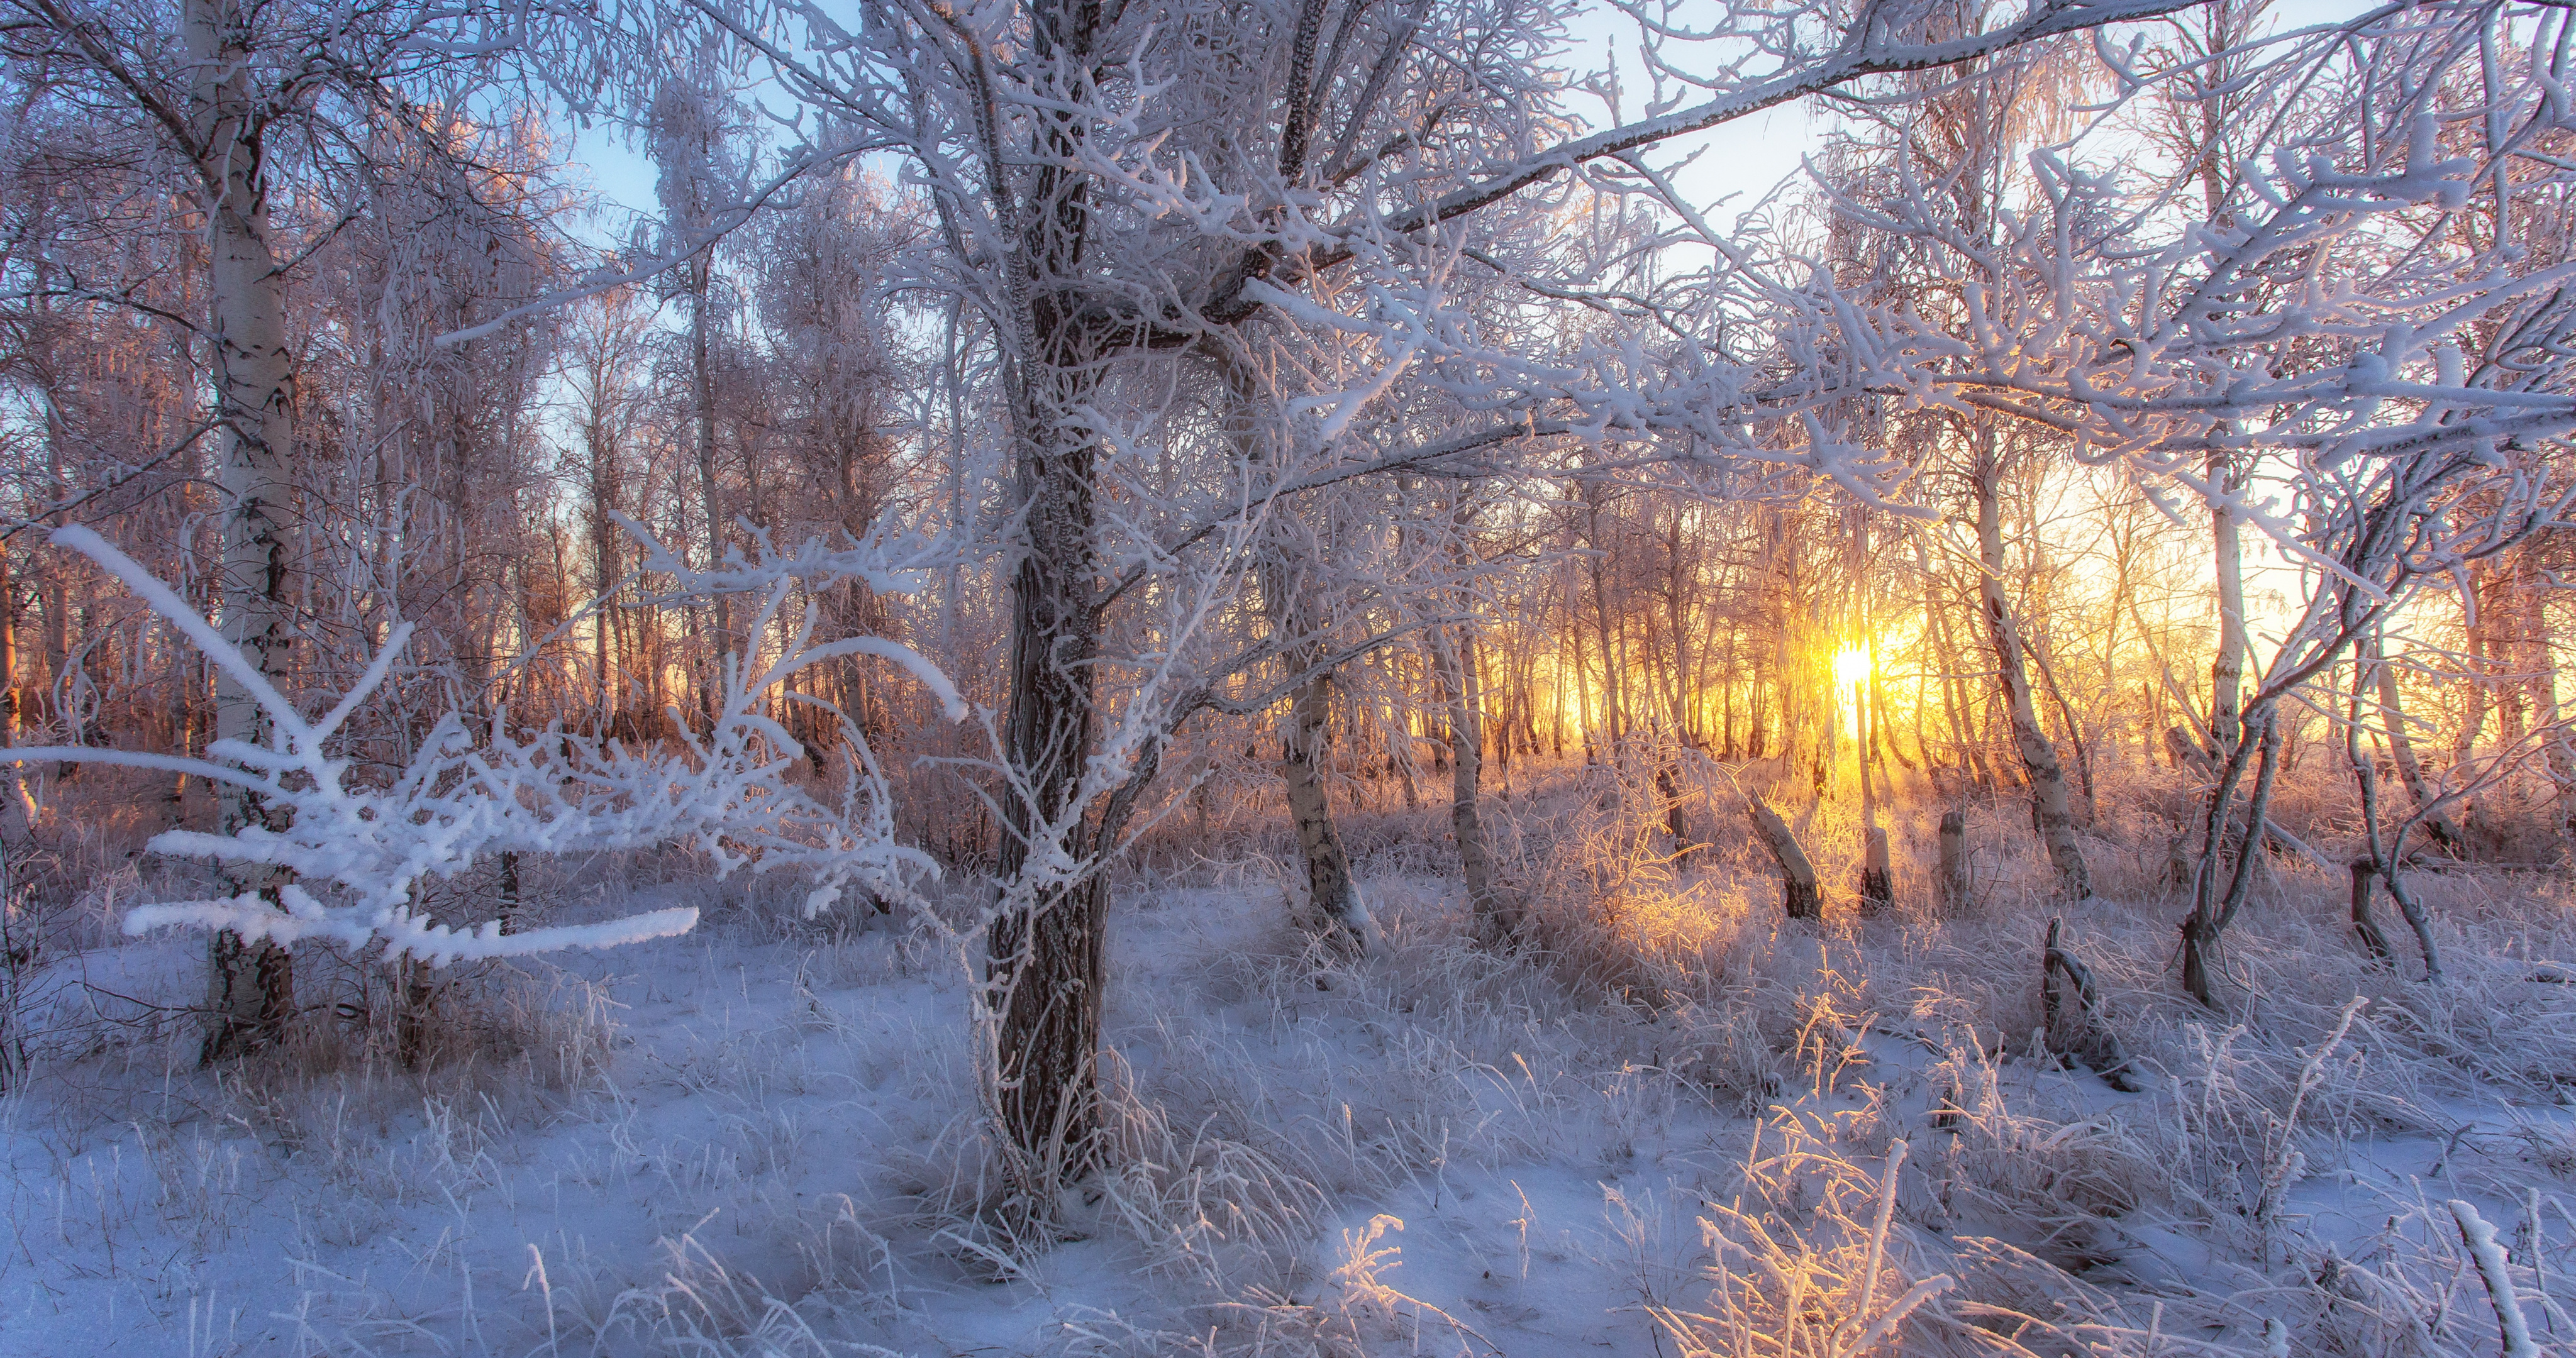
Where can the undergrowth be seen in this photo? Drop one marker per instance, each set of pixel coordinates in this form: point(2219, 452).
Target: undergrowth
point(1842, 1138)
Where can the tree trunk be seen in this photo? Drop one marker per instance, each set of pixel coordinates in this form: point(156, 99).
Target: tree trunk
point(415, 1011)
point(9, 724)
point(12, 698)
point(2185, 753)
point(2364, 924)
point(1613, 680)
point(1046, 959)
point(608, 562)
point(2401, 746)
point(1046, 949)
point(251, 986)
point(2088, 1034)
point(2074, 735)
point(1877, 876)
point(1877, 880)
point(2051, 811)
point(2473, 721)
point(509, 893)
point(1497, 918)
point(1287, 584)
point(2227, 670)
point(702, 401)
point(1799, 897)
point(1328, 864)
point(184, 740)
point(1954, 862)
point(2506, 645)
point(1668, 785)
point(2561, 750)
point(2383, 855)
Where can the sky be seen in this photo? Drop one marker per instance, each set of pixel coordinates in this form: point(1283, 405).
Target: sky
point(1750, 156)
point(1736, 164)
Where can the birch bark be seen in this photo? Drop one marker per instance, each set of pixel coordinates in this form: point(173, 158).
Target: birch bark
point(2052, 814)
point(250, 986)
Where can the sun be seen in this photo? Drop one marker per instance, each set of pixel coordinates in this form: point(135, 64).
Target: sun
point(1851, 666)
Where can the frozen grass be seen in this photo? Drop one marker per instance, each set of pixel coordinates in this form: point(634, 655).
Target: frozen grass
point(1683, 1127)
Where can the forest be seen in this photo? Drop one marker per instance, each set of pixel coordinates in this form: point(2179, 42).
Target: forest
point(786, 679)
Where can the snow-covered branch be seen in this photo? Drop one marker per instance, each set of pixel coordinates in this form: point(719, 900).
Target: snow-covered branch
point(356, 850)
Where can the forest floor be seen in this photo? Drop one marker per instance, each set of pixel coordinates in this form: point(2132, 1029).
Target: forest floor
point(1673, 1135)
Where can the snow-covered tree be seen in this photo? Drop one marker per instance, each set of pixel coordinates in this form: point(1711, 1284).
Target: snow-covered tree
point(1115, 187)
point(2363, 334)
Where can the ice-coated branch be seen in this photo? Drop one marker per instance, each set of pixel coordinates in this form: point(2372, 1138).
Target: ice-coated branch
point(357, 850)
point(886, 561)
point(2492, 1266)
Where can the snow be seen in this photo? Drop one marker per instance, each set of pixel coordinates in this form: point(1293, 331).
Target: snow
point(785, 1111)
point(761, 1137)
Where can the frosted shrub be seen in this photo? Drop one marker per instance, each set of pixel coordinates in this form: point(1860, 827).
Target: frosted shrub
point(357, 848)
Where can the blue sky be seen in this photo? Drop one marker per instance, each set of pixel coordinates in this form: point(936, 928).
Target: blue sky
point(1737, 163)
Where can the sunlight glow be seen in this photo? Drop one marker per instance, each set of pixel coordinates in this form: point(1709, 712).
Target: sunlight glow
point(1851, 666)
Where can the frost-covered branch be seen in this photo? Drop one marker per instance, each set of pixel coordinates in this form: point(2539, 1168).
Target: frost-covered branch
point(357, 850)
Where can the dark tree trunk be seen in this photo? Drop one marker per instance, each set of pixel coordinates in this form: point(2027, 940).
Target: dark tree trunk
point(1328, 864)
point(1954, 862)
point(1046, 949)
point(509, 892)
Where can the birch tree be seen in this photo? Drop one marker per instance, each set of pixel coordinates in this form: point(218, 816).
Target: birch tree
point(229, 97)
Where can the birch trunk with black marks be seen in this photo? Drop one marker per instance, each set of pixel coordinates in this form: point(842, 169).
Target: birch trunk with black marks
point(1302, 762)
point(250, 986)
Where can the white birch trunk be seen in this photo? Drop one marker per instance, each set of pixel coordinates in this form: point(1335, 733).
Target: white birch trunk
point(250, 991)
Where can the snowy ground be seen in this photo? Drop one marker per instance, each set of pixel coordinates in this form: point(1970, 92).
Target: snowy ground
point(762, 1138)
point(782, 1118)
